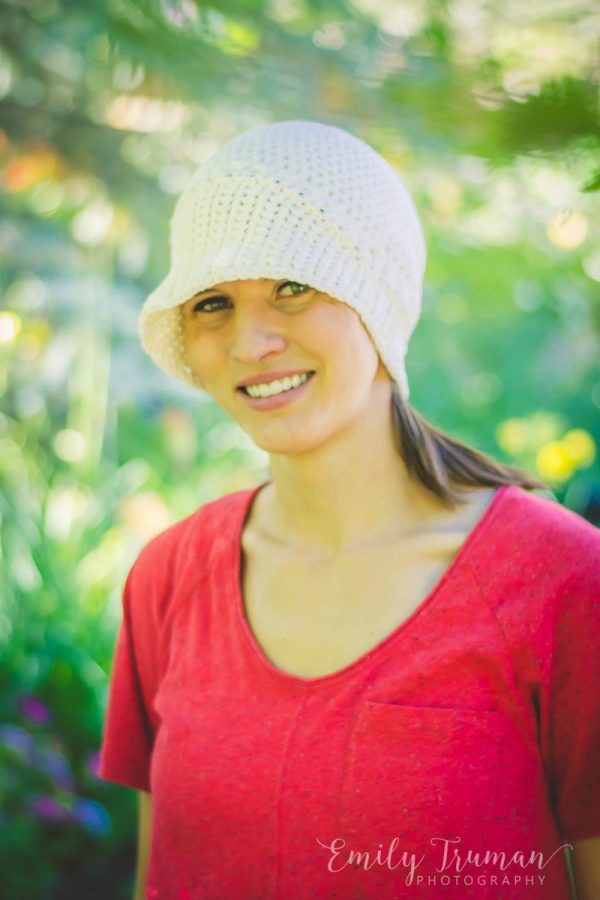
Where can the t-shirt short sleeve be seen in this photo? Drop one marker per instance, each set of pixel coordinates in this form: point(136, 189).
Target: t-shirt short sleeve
point(128, 732)
point(570, 695)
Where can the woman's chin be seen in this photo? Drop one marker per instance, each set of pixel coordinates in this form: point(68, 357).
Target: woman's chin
point(288, 444)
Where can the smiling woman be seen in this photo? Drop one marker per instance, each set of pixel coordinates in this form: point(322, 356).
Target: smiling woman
point(323, 681)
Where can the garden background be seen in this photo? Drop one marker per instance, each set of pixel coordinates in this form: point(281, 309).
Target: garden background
point(490, 113)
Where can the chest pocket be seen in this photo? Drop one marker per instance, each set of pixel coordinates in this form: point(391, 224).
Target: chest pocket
point(421, 773)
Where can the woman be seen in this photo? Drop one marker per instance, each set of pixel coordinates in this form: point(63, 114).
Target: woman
point(377, 674)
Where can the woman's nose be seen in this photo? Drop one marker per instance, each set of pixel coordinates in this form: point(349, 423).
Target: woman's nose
point(255, 337)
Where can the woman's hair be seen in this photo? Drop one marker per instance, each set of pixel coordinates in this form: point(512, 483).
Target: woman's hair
point(443, 463)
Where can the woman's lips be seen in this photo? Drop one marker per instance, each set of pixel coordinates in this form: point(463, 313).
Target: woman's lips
point(278, 400)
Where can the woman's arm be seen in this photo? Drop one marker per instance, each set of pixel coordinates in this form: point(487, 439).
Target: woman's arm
point(143, 845)
point(585, 860)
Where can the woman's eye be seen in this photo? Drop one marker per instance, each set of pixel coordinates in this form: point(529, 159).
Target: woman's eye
point(304, 287)
point(203, 305)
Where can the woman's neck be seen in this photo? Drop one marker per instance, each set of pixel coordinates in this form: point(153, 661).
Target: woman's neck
point(349, 491)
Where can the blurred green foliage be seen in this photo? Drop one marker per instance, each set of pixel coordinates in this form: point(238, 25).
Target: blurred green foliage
point(490, 113)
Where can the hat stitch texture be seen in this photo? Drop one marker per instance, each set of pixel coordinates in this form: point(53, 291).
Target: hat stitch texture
point(304, 201)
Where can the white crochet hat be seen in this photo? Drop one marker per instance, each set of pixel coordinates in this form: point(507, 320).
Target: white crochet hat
point(303, 201)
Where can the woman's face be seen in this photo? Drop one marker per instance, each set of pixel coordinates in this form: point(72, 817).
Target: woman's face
point(261, 327)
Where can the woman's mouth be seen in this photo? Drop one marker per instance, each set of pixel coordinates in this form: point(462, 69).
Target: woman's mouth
point(280, 393)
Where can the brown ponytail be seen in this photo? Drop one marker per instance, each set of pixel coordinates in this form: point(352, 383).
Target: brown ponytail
point(443, 463)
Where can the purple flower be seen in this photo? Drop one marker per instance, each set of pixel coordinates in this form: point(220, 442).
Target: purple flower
point(56, 766)
point(92, 816)
point(34, 709)
point(19, 739)
point(47, 808)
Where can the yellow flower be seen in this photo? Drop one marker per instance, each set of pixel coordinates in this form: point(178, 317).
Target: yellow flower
point(554, 461)
point(580, 445)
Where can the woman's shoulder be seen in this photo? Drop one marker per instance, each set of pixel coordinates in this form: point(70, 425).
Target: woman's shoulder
point(539, 520)
point(534, 555)
point(210, 526)
point(177, 558)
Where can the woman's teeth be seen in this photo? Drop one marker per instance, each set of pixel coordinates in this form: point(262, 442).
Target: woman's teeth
point(276, 387)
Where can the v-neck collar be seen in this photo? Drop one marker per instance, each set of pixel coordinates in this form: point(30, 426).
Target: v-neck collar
point(236, 593)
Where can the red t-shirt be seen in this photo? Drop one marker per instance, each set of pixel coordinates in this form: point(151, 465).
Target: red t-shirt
point(472, 728)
